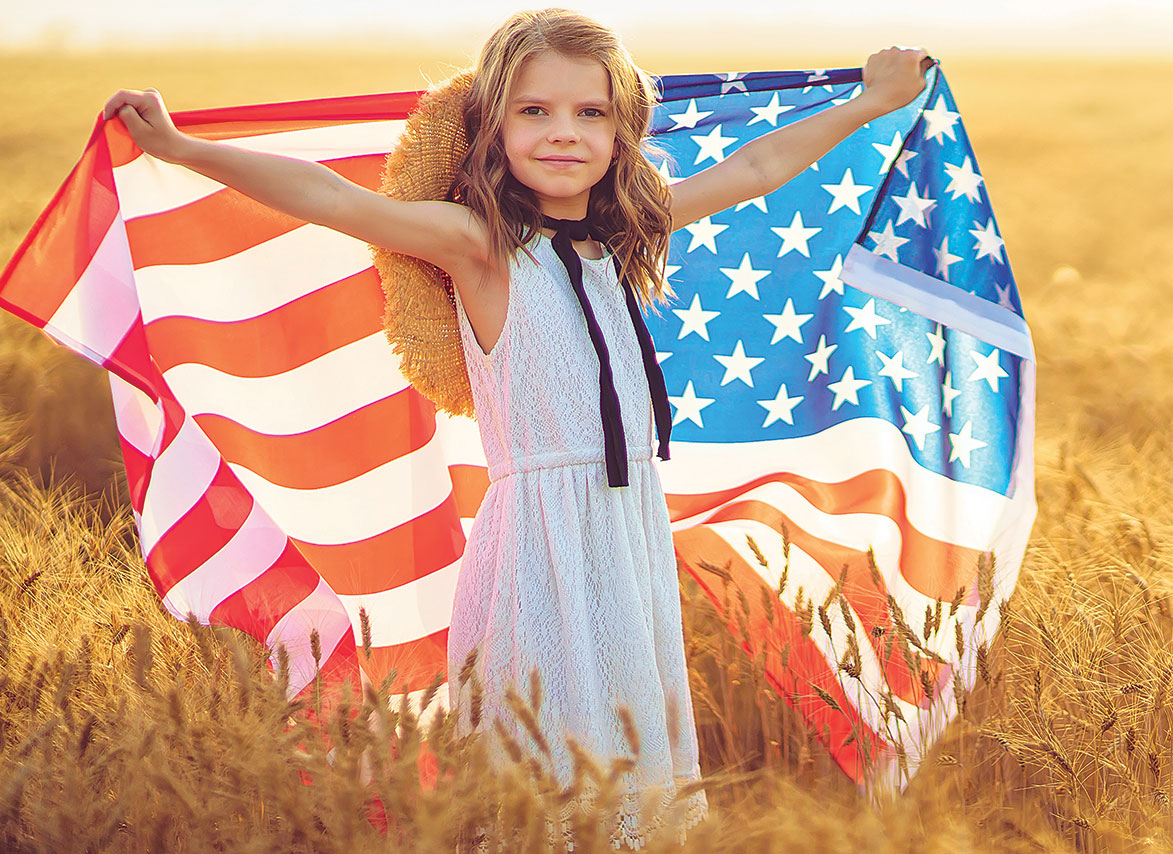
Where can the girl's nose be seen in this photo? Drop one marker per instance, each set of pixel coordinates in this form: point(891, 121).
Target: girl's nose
point(563, 129)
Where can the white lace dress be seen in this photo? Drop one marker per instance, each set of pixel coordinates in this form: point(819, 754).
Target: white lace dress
point(561, 571)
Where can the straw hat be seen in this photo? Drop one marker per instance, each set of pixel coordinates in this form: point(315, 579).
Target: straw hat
point(420, 306)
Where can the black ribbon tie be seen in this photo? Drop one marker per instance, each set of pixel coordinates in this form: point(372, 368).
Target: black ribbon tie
point(614, 441)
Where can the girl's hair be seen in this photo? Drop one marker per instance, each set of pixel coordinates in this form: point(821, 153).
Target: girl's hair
point(628, 208)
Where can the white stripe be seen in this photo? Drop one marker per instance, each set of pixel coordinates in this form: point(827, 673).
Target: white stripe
point(139, 419)
point(255, 280)
point(461, 439)
point(179, 478)
point(147, 185)
point(937, 300)
point(936, 506)
point(320, 610)
point(254, 547)
point(301, 399)
point(102, 305)
point(369, 504)
point(858, 531)
point(408, 612)
point(924, 726)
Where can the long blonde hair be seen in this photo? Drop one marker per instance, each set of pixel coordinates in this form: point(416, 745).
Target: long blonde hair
point(628, 208)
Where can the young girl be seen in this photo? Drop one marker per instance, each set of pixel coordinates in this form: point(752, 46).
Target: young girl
point(553, 230)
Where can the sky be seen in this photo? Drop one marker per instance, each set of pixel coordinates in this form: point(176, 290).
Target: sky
point(1123, 27)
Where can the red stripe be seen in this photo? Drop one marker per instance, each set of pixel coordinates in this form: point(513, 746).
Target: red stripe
point(258, 606)
point(806, 665)
point(227, 221)
point(405, 553)
point(201, 532)
point(469, 485)
point(334, 453)
point(932, 567)
point(138, 472)
point(58, 248)
point(867, 600)
point(279, 340)
point(132, 361)
point(254, 119)
point(416, 662)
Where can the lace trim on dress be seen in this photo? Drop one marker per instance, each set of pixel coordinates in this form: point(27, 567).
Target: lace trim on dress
point(631, 825)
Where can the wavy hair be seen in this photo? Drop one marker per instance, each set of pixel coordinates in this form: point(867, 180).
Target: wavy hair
point(628, 207)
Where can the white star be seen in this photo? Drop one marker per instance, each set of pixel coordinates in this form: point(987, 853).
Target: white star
point(902, 161)
point(769, 113)
point(963, 181)
point(889, 151)
point(988, 241)
point(669, 269)
point(940, 121)
point(846, 193)
point(831, 280)
point(732, 82)
point(758, 202)
point(712, 145)
point(1004, 296)
point(788, 324)
point(744, 278)
point(914, 207)
point(661, 356)
point(964, 443)
point(704, 233)
point(918, 426)
point(695, 319)
point(689, 117)
point(894, 369)
point(987, 369)
point(668, 176)
point(851, 96)
point(887, 242)
point(689, 406)
point(738, 365)
point(865, 318)
point(780, 408)
point(948, 393)
point(847, 389)
point(795, 236)
point(945, 258)
point(937, 345)
point(814, 75)
point(818, 359)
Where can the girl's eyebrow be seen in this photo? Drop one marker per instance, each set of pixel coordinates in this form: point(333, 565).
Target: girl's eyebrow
point(535, 99)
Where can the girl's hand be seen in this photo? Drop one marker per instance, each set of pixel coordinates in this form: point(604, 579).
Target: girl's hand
point(147, 121)
point(895, 76)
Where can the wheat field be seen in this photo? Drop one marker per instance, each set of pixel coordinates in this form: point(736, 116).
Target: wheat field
point(124, 730)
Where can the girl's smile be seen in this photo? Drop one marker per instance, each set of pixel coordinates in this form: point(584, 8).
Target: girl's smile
point(559, 131)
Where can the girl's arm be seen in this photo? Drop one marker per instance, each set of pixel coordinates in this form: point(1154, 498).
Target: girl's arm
point(892, 78)
point(448, 235)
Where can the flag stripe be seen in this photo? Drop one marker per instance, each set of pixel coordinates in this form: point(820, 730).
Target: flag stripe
point(279, 340)
point(164, 237)
point(354, 444)
point(399, 555)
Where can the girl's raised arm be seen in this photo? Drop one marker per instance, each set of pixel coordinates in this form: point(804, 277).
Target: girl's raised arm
point(446, 234)
point(892, 78)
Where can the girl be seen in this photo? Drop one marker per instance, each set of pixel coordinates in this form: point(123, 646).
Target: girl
point(553, 227)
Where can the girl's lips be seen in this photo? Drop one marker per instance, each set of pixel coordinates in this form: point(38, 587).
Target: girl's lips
point(560, 160)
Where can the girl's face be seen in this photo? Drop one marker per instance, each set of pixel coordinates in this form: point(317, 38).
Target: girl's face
point(559, 130)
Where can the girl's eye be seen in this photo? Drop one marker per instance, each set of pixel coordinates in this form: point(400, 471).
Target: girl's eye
point(527, 111)
point(596, 113)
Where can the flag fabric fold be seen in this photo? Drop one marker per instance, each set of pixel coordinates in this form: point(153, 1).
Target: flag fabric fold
point(851, 378)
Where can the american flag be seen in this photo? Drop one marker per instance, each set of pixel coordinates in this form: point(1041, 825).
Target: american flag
point(848, 366)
